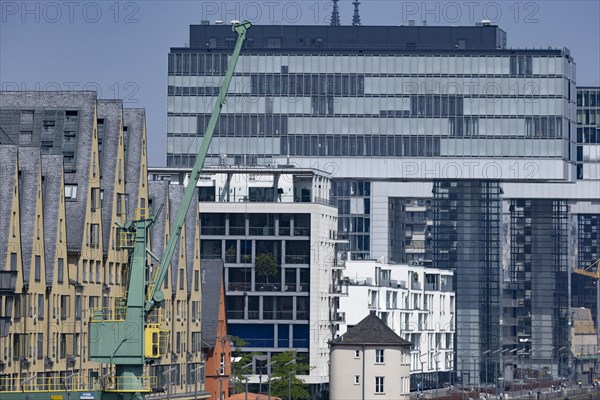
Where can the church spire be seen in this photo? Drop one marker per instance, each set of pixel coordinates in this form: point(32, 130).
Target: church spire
point(335, 14)
point(356, 16)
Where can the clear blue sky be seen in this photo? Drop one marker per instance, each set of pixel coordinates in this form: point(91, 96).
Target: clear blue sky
point(121, 47)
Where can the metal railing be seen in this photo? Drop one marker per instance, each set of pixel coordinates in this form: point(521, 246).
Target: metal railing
point(15, 384)
point(126, 240)
point(128, 383)
point(297, 259)
point(103, 314)
point(141, 213)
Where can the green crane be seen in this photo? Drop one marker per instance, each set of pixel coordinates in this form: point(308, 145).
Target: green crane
point(130, 334)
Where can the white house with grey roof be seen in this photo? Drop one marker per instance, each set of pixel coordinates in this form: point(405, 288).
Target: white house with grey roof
point(370, 361)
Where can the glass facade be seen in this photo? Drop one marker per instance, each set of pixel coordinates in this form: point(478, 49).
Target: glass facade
point(466, 240)
point(377, 110)
point(383, 105)
point(588, 133)
point(583, 288)
point(353, 199)
point(536, 305)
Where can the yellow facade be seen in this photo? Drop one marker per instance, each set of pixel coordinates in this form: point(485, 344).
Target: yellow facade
point(47, 340)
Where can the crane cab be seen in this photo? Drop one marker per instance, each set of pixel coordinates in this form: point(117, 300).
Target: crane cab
point(155, 343)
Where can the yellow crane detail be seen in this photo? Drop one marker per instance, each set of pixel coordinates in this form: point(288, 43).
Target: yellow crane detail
point(585, 271)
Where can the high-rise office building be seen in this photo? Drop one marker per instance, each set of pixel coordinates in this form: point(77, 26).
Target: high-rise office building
point(405, 117)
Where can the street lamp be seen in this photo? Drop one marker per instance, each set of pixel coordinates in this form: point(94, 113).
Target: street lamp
point(221, 375)
point(422, 362)
point(513, 372)
point(290, 378)
point(486, 369)
point(499, 365)
point(437, 376)
point(269, 375)
point(167, 375)
point(475, 369)
point(195, 374)
point(243, 368)
point(560, 351)
point(540, 363)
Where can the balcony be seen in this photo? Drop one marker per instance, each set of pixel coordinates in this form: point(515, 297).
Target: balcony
point(237, 230)
point(239, 286)
point(300, 231)
point(297, 259)
point(212, 230)
point(262, 231)
point(339, 317)
point(430, 287)
point(338, 290)
point(268, 287)
point(235, 314)
point(415, 285)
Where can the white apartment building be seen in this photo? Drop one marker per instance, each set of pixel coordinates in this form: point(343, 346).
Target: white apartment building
point(416, 301)
point(283, 215)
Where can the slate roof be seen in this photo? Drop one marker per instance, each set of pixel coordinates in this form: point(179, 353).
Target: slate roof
point(135, 120)
point(85, 103)
point(158, 191)
point(52, 176)
point(175, 197)
point(112, 112)
point(211, 295)
point(29, 169)
point(8, 165)
point(370, 331)
point(190, 237)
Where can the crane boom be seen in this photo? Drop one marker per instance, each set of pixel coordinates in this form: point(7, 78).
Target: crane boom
point(155, 294)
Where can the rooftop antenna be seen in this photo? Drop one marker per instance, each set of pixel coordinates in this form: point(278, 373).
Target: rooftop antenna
point(335, 14)
point(356, 16)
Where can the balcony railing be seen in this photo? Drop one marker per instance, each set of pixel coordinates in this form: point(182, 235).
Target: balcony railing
point(237, 230)
point(339, 317)
point(235, 314)
point(415, 285)
point(239, 286)
point(262, 231)
point(212, 230)
point(430, 287)
point(338, 290)
point(299, 231)
point(268, 287)
point(297, 259)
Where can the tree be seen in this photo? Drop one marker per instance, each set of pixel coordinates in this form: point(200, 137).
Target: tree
point(242, 359)
point(265, 265)
point(282, 372)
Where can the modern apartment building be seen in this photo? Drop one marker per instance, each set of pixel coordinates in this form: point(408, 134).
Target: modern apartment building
point(417, 302)
point(276, 231)
point(72, 166)
point(399, 114)
point(449, 115)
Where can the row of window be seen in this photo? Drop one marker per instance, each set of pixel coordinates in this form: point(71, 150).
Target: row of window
point(379, 383)
point(514, 65)
point(588, 98)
